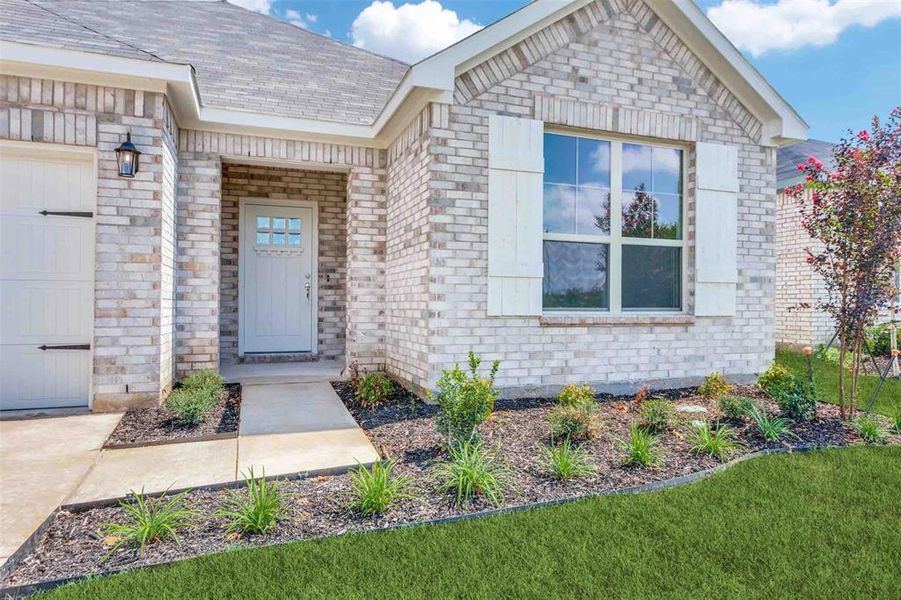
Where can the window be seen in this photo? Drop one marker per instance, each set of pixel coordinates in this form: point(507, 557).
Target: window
point(613, 226)
point(278, 231)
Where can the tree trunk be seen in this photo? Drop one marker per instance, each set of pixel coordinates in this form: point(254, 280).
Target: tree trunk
point(842, 350)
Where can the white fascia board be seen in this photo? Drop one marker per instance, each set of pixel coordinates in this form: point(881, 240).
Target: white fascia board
point(781, 123)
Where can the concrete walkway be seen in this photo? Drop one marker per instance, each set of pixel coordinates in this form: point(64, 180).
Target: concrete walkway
point(286, 429)
point(42, 462)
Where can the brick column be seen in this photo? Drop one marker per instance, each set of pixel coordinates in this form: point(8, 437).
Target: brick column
point(366, 215)
point(127, 268)
point(198, 230)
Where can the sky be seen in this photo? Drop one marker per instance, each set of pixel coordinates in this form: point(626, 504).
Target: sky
point(838, 62)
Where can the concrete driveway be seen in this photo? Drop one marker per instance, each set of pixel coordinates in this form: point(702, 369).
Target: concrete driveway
point(42, 462)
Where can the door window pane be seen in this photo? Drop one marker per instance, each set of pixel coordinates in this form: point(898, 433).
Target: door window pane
point(576, 275)
point(278, 238)
point(263, 223)
point(559, 159)
point(278, 224)
point(652, 278)
point(262, 237)
point(294, 239)
point(294, 225)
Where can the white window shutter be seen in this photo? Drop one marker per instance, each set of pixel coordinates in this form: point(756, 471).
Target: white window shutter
point(716, 230)
point(515, 178)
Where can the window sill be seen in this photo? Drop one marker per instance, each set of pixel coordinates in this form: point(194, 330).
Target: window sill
point(621, 320)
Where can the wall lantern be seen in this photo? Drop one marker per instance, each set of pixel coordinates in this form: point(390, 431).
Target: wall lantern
point(127, 156)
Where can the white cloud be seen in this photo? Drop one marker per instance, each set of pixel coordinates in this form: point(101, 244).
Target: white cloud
point(260, 6)
point(409, 32)
point(758, 27)
point(295, 17)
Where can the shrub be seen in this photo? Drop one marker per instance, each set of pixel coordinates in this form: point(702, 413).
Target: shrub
point(869, 429)
point(879, 340)
point(576, 395)
point(657, 415)
point(566, 461)
point(574, 422)
point(796, 400)
point(465, 400)
point(714, 386)
point(190, 405)
point(831, 356)
point(375, 488)
point(772, 429)
point(641, 447)
point(734, 407)
point(776, 376)
point(258, 510)
point(206, 379)
point(719, 442)
point(150, 520)
point(372, 389)
point(473, 471)
point(642, 394)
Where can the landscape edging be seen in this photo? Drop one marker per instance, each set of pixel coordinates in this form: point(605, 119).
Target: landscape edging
point(28, 589)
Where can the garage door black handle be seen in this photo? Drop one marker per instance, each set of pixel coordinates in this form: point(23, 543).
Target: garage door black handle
point(65, 347)
point(64, 213)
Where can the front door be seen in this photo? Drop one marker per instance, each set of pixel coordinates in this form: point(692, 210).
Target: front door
point(276, 277)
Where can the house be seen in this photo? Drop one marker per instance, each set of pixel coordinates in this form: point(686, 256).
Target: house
point(798, 288)
point(583, 190)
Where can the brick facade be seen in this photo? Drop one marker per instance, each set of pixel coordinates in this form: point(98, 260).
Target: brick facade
point(796, 283)
point(573, 74)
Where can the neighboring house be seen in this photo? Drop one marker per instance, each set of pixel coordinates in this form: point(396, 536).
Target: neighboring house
point(583, 190)
point(796, 282)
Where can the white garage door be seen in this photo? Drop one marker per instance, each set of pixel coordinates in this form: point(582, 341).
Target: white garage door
point(46, 277)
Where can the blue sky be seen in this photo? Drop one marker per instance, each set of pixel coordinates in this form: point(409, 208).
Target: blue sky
point(838, 62)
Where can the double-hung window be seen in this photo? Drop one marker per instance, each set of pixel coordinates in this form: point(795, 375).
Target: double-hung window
point(613, 225)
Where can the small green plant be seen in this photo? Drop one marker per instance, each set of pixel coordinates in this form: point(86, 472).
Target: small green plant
point(869, 429)
point(896, 422)
point(573, 422)
point(566, 461)
point(375, 488)
point(719, 442)
point(714, 386)
point(641, 447)
point(734, 407)
point(190, 405)
point(372, 389)
point(473, 471)
point(206, 379)
point(149, 520)
point(772, 429)
point(796, 400)
point(776, 376)
point(831, 356)
point(657, 415)
point(258, 510)
point(879, 339)
point(466, 400)
point(576, 395)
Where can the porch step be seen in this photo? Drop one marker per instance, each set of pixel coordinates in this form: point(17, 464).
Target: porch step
point(283, 372)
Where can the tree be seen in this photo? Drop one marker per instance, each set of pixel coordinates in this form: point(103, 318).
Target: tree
point(854, 214)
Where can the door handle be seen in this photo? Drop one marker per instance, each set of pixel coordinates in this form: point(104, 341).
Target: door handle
point(307, 288)
point(65, 347)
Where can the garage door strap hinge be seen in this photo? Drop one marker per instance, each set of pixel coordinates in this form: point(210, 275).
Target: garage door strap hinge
point(66, 347)
point(65, 213)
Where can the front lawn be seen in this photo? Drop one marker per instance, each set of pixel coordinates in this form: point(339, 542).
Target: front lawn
point(825, 378)
point(822, 524)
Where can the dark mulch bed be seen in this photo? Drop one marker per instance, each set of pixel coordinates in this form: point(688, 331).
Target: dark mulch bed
point(404, 430)
point(881, 362)
point(157, 425)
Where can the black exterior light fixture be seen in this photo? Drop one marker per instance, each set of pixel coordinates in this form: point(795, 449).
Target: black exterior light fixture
point(127, 157)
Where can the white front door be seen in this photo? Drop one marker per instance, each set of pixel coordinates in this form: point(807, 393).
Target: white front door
point(277, 279)
point(46, 277)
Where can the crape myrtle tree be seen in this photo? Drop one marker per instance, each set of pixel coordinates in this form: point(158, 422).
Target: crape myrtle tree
point(853, 214)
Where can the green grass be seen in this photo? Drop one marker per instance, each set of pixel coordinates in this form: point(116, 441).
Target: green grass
point(822, 524)
point(825, 378)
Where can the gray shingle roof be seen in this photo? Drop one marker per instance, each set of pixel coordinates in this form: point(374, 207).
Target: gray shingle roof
point(789, 157)
point(243, 60)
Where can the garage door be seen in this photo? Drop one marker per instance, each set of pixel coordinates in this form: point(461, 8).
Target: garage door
point(47, 202)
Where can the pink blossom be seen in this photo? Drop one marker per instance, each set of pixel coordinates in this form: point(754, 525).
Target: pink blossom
point(863, 136)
